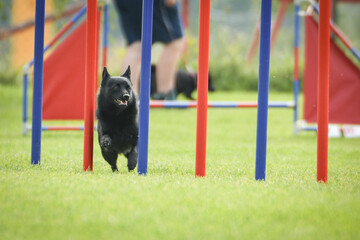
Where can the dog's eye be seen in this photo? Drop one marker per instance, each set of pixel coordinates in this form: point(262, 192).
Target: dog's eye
point(128, 88)
point(116, 86)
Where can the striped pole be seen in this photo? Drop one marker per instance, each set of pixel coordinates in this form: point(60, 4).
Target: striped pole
point(194, 104)
point(60, 33)
point(203, 63)
point(296, 59)
point(263, 90)
point(146, 43)
point(323, 91)
point(90, 79)
point(38, 82)
point(341, 36)
point(105, 34)
point(347, 43)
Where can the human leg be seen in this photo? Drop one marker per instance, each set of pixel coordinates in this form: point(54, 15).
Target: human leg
point(166, 66)
point(133, 58)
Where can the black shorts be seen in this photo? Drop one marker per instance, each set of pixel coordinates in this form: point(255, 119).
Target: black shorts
point(166, 21)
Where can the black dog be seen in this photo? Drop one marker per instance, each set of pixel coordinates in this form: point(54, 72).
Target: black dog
point(185, 82)
point(117, 119)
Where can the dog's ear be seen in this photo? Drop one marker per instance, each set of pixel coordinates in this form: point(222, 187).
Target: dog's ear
point(105, 76)
point(127, 73)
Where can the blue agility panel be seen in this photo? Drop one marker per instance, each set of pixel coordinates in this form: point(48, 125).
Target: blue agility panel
point(146, 42)
point(38, 81)
point(263, 90)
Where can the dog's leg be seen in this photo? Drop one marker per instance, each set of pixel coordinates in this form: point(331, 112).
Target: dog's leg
point(132, 158)
point(105, 141)
point(111, 157)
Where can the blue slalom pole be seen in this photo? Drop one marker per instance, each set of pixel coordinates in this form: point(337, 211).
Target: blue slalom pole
point(146, 42)
point(38, 82)
point(263, 90)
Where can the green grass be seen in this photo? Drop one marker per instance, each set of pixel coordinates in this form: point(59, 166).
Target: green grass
point(57, 200)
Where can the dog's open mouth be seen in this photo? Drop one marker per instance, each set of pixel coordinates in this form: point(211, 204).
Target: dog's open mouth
point(121, 102)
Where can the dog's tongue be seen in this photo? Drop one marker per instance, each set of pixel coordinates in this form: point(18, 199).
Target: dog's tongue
point(121, 102)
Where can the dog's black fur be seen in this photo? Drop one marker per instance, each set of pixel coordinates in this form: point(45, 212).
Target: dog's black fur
point(117, 119)
point(185, 82)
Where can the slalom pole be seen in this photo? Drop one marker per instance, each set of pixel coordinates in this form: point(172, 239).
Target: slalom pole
point(146, 43)
point(263, 90)
point(296, 59)
point(105, 34)
point(90, 79)
point(38, 82)
point(323, 91)
point(203, 63)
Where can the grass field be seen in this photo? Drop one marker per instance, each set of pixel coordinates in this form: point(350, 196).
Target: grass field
point(57, 200)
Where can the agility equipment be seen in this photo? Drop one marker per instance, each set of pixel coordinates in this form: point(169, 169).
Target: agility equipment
point(202, 104)
point(263, 90)
point(203, 63)
point(38, 84)
point(63, 87)
point(146, 42)
point(323, 91)
point(344, 81)
point(337, 86)
point(221, 104)
point(90, 83)
point(73, 56)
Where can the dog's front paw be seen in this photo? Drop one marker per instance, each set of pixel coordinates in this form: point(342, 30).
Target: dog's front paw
point(105, 141)
point(132, 164)
point(132, 159)
point(114, 168)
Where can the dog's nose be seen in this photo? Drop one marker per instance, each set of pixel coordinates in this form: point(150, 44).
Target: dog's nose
point(126, 96)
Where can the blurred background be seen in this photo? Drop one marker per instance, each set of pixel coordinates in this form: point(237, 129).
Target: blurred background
point(233, 28)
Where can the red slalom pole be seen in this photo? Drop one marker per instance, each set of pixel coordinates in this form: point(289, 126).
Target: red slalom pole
point(90, 79)
point(203, 72)
point(323, 91)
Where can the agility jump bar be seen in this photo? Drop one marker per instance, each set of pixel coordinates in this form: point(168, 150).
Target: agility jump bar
point(177, 104)
point(193, 104)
